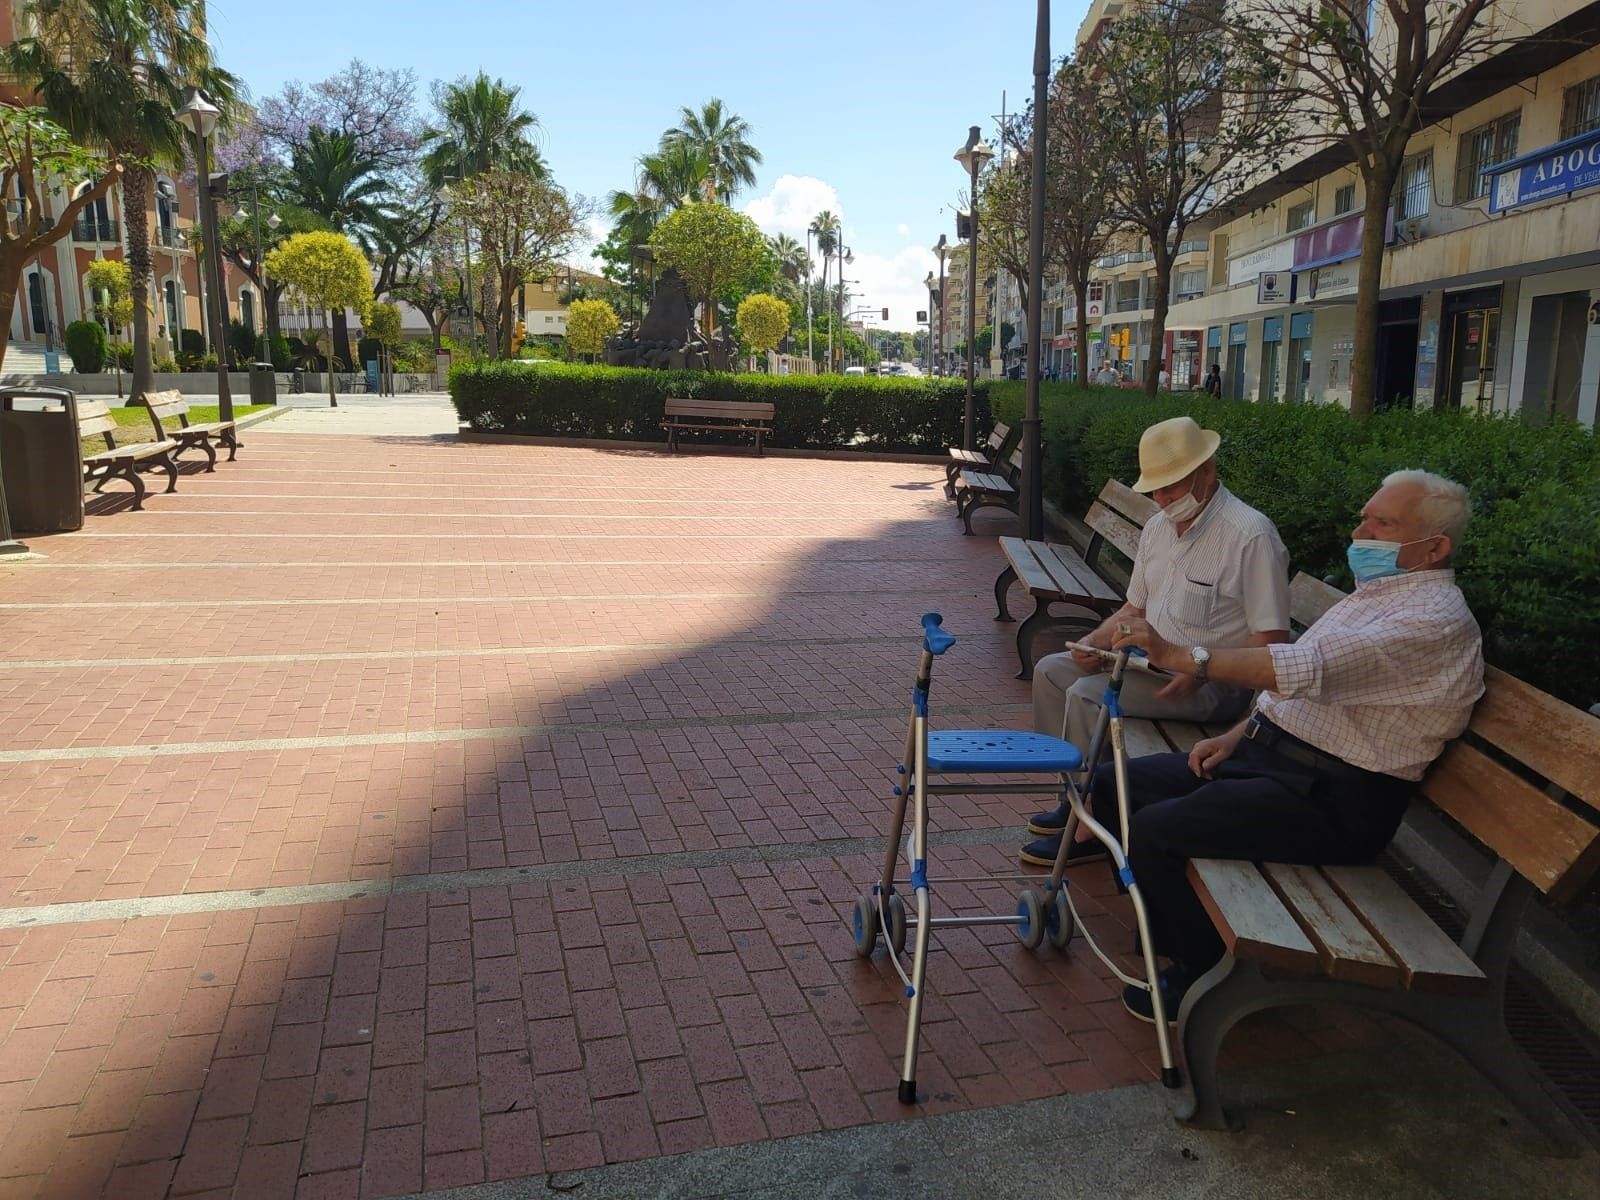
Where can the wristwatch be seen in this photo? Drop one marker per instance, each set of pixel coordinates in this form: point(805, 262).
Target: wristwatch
point(1202, 662)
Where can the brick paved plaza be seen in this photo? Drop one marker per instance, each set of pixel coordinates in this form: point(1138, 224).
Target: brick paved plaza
point(384, 814)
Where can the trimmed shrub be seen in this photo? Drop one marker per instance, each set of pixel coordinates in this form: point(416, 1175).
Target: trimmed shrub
point(86, 343)
point(191, 349)
point(282, 357)
point(1529, 564)
point(811, 411)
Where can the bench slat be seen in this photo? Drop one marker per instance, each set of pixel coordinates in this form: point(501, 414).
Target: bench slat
point(1309, 598)
point(1083, 576)
point(980, 482)
point(1121, 498)
point(1020, 554)
point(1345, 946)
point(1249, 916)
point(1554, 848)
point(1112, 527)
point(720, 408)
point(1560, 742)
point(1142, 737)
point(1182, 734)
point(1428, 959)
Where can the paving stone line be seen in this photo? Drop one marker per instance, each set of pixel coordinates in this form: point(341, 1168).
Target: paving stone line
point(211, 660)
point(29, 916)
point(419, 737)
point(520, 598)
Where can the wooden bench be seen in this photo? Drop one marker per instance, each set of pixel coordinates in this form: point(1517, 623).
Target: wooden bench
point(1524, 782)
point(988, 458)
point(1057, 574)
point(122, 462)
point(721, 416)
point(988, 489)
point(171, 405)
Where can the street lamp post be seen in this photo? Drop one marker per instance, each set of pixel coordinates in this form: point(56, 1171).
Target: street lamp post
point(845, 256)
point(974, 155)
point(810, 354)
point(199, 116)
point(1032, 444)
point(932, 285)
point(939, 248)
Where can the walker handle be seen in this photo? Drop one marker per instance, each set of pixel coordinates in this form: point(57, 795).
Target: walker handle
point(934, 639)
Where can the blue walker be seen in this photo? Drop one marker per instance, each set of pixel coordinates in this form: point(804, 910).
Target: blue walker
point(1042, 914)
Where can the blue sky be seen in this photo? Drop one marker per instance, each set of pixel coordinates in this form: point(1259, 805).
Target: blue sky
point(856, 107)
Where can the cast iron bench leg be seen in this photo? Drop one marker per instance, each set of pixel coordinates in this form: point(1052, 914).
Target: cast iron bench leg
point(1002, 585)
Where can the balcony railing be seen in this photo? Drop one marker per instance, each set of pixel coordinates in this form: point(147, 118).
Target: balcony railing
point(170, 237)
point(93, 229)
point(1192, 246)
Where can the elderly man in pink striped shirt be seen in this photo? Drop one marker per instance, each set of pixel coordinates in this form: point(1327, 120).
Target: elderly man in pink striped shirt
point(1349, 718)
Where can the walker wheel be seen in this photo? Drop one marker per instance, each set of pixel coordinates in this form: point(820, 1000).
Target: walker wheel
point(1058, 919)
point(897, 923)
point(865, 926)
point(1030, 917)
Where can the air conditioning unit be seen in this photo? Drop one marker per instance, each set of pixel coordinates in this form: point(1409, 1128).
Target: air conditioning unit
point(1410, 229)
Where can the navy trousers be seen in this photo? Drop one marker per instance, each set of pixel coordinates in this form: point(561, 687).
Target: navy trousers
point(1260, 807)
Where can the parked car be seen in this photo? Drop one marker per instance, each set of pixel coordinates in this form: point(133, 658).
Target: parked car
point(855, 370)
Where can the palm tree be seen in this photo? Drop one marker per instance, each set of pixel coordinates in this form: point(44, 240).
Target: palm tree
point(793, 262)
point(676, 175)
point(333, 179)
point(826, 228)
point(484, 128)
point(113, 73)
point(724, 137)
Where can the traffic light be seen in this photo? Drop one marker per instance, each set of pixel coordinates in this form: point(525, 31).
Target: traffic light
point(963, 224)
point(886, 315)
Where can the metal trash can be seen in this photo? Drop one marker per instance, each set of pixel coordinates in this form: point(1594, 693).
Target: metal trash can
point(41, 459)
point(263, 384)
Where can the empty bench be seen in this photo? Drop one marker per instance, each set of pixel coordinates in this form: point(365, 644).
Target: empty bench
point(122, 462)
point(720, 416)
point(1523, 782)
point(169, 414)
point(988, 458)
point(994, 488)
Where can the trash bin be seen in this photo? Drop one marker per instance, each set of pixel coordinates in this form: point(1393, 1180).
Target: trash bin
point(263, 384)
point(41, 459)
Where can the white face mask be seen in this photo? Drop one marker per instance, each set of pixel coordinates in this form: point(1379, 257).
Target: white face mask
point(1185, 507)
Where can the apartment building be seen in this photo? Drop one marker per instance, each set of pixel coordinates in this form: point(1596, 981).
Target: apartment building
point(53, 292)
point(1491, 270)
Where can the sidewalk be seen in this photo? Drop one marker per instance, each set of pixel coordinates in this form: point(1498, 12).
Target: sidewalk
point(387, 814)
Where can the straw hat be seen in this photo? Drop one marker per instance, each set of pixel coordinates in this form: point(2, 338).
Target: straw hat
point(1169, 450)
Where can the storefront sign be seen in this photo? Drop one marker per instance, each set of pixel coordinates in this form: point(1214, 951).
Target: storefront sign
point(1063, 341)
point(1096, 301)
point(1277, 257)
point(1275, 287)
point(1335, 241)
point(1557, 170)
point(1331, 282)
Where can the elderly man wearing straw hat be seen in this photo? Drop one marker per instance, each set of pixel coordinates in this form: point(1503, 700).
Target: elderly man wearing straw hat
point(1210, 571)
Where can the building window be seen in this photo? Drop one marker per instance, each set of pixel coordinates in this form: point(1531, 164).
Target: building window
point(1344, 199)
point(1483, 147)
point(1190, 285)
point(1580, 108)
point(1301, 215)
point(1413, 187)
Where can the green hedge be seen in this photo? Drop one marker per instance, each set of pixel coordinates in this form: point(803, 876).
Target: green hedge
point(816, 412)
point(1529, 565)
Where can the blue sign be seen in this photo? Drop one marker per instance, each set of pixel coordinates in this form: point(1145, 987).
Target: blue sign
point(1556, 170)
point(372, 376)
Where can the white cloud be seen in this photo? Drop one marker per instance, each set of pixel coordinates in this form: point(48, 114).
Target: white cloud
point(903, 229)
point(791, 204)
point(894, 282)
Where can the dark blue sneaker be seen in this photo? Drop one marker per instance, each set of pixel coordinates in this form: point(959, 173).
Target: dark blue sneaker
point(1136, 997)
point(1043, 851)
point(1048, 824)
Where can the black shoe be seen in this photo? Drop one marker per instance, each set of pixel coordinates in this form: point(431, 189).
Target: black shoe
point(1048, 824)
point(1136, 997)
point(1042, 853)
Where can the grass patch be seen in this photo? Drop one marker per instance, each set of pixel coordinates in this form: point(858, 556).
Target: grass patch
point(133, 424)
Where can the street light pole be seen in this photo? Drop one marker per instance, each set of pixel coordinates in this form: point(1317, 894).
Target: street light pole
point(810, 354)
point(199, 116)
point(974, 155)
point(939, 248)
point(1032, 444)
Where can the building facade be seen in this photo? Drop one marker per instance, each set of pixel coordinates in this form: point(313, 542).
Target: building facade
point(1491, 272)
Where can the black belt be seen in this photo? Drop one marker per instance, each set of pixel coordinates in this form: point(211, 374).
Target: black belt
point(1269, 737)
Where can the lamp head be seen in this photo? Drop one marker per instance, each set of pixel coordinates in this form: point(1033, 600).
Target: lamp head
point(976, 153)
point(198, 115)
point(274, 221)
point(928, 282)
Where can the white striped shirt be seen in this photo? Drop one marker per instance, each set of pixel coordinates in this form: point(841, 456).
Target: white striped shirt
point(1221, 580)
point(1385, 677)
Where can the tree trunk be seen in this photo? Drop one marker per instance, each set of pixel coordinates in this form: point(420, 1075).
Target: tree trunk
point(1080, 364)
point(507, 315)
point(1158, 322)
point(340, 347)
point(135, 194)
point(10, 277)
point(1369, 279)
point(333, 398)
point(269, 300)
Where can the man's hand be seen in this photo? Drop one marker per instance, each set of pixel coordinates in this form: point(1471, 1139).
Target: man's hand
point(1210, 753)
point(1089, 664)
point(1136, 631)
point(1179, 687)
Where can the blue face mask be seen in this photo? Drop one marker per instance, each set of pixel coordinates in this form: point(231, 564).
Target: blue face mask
point(1371, 560)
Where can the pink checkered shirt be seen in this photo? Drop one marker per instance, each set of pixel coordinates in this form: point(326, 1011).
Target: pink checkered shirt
point(1385, 678)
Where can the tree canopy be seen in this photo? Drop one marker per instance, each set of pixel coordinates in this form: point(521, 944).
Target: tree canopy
point(763, 321)
point(326, 271)
point(589, 324)
point(711, 246)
